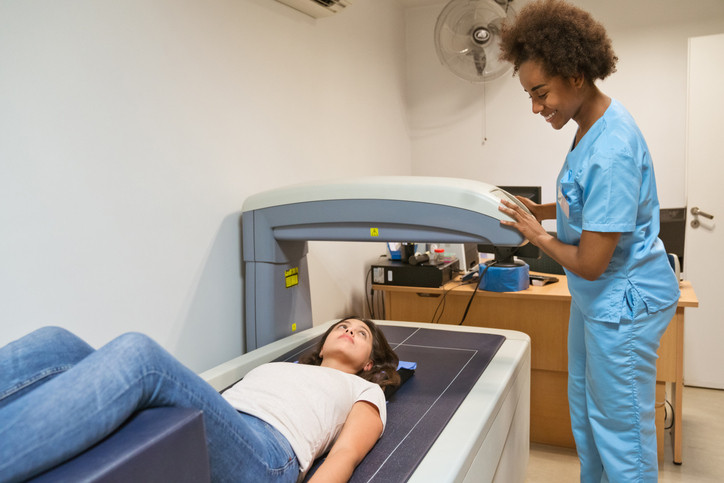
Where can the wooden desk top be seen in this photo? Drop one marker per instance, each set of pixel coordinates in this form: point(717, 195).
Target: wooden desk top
point(557, 290)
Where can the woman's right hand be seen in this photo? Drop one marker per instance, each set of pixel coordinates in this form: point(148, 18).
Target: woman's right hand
point(541, 212)
point(524, 221)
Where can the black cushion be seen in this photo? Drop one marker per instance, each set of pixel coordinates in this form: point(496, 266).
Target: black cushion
point(159, 444)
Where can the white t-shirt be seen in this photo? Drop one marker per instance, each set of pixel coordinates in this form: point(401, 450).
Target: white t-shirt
point(307, 404)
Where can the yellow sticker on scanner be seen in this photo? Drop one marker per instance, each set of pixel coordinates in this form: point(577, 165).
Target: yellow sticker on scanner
point(291, 277)
point(374, 231)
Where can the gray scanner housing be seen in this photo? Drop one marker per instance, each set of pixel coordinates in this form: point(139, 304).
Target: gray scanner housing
point(277, 224)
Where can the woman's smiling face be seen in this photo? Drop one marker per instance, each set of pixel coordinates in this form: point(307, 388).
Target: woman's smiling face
point(555, 98)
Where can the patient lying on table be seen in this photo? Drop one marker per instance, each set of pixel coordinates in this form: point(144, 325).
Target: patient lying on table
point(264, 428)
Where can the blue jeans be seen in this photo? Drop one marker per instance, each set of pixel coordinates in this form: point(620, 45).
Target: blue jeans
point(611, 392)
point(58, 397)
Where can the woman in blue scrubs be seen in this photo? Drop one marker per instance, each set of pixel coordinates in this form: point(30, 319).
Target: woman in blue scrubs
point(623, 290)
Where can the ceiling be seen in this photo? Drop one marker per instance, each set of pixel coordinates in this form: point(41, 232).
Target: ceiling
point(627, 14)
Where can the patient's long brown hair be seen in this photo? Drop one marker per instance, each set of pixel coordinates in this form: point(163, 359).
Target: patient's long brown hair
point(384, 359)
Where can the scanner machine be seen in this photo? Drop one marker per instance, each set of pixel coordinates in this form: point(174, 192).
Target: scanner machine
point(277, 224)
point(464, 415)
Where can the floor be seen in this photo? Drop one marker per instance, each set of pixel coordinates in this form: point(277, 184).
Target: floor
point(703, 447)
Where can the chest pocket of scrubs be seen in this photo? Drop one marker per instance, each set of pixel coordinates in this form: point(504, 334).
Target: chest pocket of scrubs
point(573, 195)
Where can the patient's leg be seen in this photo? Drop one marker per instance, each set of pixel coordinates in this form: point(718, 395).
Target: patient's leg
point(80, 407)
point(35, 359)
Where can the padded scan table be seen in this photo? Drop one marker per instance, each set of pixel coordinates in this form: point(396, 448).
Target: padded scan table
point(486, 435)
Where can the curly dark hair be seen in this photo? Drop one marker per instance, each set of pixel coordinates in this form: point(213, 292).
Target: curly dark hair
point(566, 40)
point(384, 360)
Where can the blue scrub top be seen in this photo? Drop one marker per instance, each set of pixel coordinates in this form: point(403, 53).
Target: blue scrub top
point(607, 184)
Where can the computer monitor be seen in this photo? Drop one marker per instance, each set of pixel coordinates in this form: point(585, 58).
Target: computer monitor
point(504, 255)
point(531, 192)
point(673, 230)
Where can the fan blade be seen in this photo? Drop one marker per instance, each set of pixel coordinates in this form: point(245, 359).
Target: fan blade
point(480, 60)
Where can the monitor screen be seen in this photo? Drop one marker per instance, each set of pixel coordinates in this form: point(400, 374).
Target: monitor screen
point(531, 192)
point(673, 230)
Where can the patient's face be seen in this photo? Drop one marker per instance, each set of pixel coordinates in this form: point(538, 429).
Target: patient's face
point(350, 341)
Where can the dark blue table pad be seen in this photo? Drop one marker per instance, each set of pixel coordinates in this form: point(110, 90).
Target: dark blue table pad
point(449, 363)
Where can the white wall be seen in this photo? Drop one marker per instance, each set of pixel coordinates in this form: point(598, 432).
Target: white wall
point(131, 132)
point(446, 113)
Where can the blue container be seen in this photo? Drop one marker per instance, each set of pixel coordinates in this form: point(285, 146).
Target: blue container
point(504, 279)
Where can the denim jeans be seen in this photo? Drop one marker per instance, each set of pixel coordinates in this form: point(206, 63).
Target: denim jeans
point(58, 397)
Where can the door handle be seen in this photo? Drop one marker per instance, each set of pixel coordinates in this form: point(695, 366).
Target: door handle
point(695, 223)
point(697, 212)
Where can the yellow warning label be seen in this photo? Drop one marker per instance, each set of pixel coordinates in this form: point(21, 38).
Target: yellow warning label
point(291, 277)
point(294, 327)
point(374, 231)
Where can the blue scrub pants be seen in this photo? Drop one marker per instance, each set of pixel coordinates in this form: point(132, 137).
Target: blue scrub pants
point(611, 392)
point(58, 397)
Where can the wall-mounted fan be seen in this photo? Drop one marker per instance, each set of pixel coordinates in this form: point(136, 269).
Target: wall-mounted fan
point(467, 36)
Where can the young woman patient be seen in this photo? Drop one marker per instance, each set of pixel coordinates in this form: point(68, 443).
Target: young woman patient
point(58, 397)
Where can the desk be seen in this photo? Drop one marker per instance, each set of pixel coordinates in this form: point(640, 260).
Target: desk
point(542, 313)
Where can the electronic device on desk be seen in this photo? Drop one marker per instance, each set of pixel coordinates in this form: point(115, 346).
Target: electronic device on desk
point(541, 280)
point(466, 253)
point(672, 232)
point(423, 274)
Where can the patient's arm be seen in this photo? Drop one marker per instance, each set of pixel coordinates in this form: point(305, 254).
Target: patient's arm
point(359, 434)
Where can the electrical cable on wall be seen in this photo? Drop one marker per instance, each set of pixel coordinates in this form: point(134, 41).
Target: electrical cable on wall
point(370, 296)
point(485, 118)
